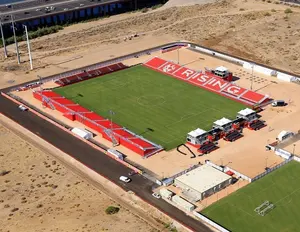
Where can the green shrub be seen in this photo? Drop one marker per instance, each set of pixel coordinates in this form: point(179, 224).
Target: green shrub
point(288, 11)
point(112, 210)
point(144, 10)
point(34, 34)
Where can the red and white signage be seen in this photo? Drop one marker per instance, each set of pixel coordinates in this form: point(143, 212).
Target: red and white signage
point(234, 90)
point(155, 62)
point(184, 73)
point(216, 84)
point(205, 80)
point(169, 67)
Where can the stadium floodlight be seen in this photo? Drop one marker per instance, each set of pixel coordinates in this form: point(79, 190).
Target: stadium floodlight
point(15, 39)
point(28, 46)
point(3, 40)
point(294, 146)
point(111, 113)
point(252, 66)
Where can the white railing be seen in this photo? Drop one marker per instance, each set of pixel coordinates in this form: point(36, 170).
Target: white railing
point(210, 222)
point(83, 118)
point(272, 169)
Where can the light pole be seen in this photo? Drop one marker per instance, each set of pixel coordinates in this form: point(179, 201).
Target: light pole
point(16, 42)
point(294, 149)
point(28, 46)
point(3, 40)
point(178, 56)
point(111, 113)
point(252, 65)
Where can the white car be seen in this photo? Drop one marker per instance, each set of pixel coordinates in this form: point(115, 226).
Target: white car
point(156, 195)
point(125, 179)
point(23, 108)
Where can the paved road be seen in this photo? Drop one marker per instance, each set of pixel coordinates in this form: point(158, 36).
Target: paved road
point(36, 10)
point(95, 160)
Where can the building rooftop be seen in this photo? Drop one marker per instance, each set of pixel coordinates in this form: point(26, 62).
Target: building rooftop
point(222, 122)
point(246, 112)
point(203, 178)
point(197, 132)
point(221, 69)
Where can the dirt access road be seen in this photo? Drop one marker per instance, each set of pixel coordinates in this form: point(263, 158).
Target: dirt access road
point(40, 194)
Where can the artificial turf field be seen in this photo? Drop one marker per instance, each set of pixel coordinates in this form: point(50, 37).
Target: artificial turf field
point(281, 187)
point(142, 98)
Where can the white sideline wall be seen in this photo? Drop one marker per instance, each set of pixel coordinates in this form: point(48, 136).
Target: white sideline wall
point(210, 222)
point(285, 77)
point(214, 165)
point(247, 65)
point(282, 153)
point(219, 55)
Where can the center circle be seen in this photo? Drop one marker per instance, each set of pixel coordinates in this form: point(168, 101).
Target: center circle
point(151, 100)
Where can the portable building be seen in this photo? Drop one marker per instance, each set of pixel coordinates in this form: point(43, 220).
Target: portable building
point(183, 203)
point(203, 181)
point(283, 135)
point(165, 193)
point(82, 133)
point(116, 154)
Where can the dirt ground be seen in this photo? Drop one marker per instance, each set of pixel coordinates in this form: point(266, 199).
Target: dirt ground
point(248, 28)
point(39, 194)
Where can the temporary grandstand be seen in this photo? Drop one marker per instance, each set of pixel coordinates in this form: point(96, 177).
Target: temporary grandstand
point(110, 131)
point(209, 81)
point(86, 74)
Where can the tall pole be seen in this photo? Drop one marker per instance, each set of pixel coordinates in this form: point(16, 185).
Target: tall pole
point(3, 40)
point(111, 124)
point(252, 78)
point(294, 149)
point(16, 42)
point(28, 46)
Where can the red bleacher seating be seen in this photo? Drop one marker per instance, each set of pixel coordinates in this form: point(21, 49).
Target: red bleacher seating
point(90, 74)
point(207, 81)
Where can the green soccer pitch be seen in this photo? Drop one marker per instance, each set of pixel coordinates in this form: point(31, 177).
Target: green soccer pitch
point(281, 188)
point(142, 98)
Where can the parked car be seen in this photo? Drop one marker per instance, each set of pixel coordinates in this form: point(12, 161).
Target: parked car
point(125, 179)
point(22, 108)
point(156, 195)
point(131, 173)
point(278, 103)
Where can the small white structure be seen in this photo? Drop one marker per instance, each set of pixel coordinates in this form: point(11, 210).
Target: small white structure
point(197, 136)
point(116, 154)
point(165, 193)
point(247, 114)
point(223, 124)
point(82, 133)
point(221, 71)
point(183, 203)
point(283, 135)
point(203, 181)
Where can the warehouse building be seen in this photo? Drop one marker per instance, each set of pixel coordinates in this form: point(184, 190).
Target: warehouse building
point(202, 182)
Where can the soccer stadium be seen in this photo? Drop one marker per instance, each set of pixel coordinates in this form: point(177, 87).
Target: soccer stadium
point(159, 108)
point(193, 121)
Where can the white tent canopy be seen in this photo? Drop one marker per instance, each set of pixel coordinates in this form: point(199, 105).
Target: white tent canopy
point(82, 133)
point(283, 135)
